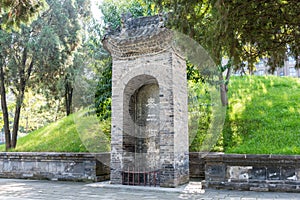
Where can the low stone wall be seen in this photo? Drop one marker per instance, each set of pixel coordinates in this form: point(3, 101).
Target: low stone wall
point(248, 172)
point(197, 166)
point(55, 166)
point(216, 170)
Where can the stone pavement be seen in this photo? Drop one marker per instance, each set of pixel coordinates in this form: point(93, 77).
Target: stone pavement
point(15, 189)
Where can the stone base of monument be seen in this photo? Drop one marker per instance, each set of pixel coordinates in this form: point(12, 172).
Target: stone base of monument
point(190, 188)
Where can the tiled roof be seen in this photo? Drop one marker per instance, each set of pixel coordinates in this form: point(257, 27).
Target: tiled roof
point(137, 36)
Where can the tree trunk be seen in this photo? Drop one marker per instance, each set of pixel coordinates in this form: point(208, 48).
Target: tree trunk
point(5, 111)
point(17, 119)
point(223, 92)
point(19, 102)
point(224, 86)
point(24, 77)
point(68, 97)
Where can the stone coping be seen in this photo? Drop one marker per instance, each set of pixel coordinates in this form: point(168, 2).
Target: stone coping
point(224, 156)
point(201, 154)
point(54, 154)
point(207, 156)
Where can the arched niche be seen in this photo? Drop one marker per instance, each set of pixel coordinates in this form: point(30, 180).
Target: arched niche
point(141, 124)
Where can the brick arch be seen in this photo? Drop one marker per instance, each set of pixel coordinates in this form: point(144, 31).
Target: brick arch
point(136, 140)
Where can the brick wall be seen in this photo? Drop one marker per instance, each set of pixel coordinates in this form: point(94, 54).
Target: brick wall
point(142, 54)
point(247, 172)
point(216, 170)
point(55, 166)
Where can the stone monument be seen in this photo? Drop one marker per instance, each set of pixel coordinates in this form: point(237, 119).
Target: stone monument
point(149, 132)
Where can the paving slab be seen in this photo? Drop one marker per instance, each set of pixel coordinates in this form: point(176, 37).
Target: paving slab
point(16, 189)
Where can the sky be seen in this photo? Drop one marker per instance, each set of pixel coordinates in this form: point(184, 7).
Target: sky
point(95, 10)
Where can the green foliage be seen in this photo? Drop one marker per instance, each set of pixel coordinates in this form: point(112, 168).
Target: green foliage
point(37, 112)
point(193, 73)
point(49, 48)
point(241, 30)
point(200, 114)
point(103, 91)
point(39, 56)
point(57, 43)
point(112, 10)
point(14, 13)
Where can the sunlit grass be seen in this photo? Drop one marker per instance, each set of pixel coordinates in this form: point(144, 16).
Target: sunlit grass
point(268, 121)
point(263, 117)
point(69, 134)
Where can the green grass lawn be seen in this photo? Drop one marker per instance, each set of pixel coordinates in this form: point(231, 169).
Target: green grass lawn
point(75, 133)
point(263, 117)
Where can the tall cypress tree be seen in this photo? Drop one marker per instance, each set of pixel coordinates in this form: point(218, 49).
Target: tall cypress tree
point(39, 56)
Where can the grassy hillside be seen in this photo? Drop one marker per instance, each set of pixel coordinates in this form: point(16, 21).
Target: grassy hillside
point(263, 117)
point(75, 133)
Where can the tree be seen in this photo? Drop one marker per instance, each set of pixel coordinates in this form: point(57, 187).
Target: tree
point(39, 56)
point(13, 13)
point(243, 31)
point(103, 90)
point(261, 29)
point(63, 26)
point(4, 51)
point(16, 68)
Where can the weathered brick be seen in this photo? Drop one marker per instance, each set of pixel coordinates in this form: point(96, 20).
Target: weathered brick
point(143, 58)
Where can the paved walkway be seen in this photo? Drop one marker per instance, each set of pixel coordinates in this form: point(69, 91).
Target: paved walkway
point(13, 189)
